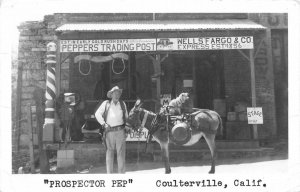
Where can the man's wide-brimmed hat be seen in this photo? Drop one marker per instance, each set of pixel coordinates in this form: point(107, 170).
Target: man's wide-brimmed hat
point(115, 88)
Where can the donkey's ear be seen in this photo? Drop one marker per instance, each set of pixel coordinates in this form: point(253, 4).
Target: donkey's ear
point(137, 103)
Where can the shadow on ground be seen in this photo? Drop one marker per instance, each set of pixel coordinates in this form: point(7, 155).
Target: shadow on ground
point(143, 166)
point(145, 161)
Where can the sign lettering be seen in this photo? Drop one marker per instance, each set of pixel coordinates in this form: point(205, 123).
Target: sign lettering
point(165, 99)
point(108, 45)
point(159, 44)
point(255, 115)
point(205, 43)
point(135, 136)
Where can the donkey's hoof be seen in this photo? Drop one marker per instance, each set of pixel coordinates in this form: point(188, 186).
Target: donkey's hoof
point(168, 171)
point(211, 172)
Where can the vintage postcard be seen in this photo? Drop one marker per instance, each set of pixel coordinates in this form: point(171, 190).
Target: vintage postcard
point(132, 95)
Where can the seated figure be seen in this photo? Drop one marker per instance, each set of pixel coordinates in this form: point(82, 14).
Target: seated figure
point(176, 104)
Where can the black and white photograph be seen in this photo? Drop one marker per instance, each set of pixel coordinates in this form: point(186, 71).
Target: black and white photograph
point(165, 98)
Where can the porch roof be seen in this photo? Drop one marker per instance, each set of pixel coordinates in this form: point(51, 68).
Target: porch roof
point(174, 25)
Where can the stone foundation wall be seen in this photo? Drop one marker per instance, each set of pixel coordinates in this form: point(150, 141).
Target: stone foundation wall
point(33, 39)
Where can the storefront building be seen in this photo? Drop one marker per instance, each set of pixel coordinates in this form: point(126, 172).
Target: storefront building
point(227, 62)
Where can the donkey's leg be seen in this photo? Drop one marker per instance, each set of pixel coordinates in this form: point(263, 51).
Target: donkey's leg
point(165, 156)
point(210, 139)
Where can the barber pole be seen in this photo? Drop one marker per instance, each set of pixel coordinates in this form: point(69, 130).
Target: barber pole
point(48, 129)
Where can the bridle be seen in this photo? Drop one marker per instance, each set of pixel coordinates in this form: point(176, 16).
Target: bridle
point(154, 122)
point(153, 126)
point(141, 124)
point(143, 118)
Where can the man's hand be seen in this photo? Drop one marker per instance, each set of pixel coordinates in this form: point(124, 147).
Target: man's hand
point(127, 129)
point(106, 126)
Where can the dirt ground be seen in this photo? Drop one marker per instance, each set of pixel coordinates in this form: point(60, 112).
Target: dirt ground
point(281, 174)
point(223, 166)
point(273, 170)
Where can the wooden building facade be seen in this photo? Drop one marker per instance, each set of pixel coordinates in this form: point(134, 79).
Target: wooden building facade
point(226, 79)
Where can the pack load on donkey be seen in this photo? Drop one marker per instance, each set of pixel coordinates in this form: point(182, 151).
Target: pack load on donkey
point(181, 125)
point(185, 130)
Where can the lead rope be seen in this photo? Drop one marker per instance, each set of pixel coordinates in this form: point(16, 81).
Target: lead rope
point(138, 149)
point(151, 131)
point(139, 132)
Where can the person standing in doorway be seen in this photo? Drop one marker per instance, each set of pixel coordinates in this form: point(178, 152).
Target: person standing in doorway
point(112, 115)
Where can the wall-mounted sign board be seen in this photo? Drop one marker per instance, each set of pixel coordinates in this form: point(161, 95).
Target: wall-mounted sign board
point(255, 115)
point(158, 44)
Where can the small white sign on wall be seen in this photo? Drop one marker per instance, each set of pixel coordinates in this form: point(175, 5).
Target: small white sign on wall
point(255, 115)
point(187, 83)
point(135, 136)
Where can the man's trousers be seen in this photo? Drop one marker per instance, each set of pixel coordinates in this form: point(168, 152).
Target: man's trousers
point(115, 140)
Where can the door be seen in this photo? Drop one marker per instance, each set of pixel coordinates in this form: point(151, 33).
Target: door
point(209, 78)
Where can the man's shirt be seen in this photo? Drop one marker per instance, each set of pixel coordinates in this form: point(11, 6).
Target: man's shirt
point(114, 114)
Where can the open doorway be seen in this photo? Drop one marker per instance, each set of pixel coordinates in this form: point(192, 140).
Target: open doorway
point(209, 78)
point(201, 73)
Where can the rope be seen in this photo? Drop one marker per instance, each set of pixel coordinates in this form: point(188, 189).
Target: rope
point(138, 149)
point(79, 68)
point(90, 67)
point(112, 66)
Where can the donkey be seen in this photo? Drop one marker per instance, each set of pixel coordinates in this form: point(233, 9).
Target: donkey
point(204, 123)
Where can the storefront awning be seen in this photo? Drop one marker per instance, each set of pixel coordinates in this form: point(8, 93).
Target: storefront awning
point(176, 25)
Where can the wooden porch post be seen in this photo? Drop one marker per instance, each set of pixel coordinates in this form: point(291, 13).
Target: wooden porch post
point(157, 73)
point(58, 72)
point(30, 133)
point(158, 84)
point(253, 91)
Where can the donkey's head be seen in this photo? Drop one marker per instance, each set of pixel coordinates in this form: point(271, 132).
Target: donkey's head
point(134, 117)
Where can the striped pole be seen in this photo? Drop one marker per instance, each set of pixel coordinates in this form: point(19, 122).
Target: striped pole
point(48, 129)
